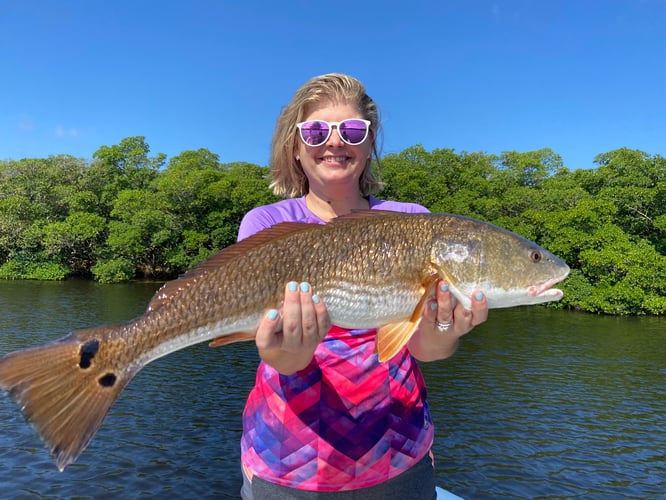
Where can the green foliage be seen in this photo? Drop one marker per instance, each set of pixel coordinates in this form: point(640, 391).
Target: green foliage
point(29, 267)
point(529, 169)
point(127, 214)
point(73, 241)
point(120, 167)
point(441, 180)
point(114, 270)
point(123, 215)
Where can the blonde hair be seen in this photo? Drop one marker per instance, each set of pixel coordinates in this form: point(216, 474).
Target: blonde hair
point(288, 178)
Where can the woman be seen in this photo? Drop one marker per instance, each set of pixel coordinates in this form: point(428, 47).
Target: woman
point(325, 416)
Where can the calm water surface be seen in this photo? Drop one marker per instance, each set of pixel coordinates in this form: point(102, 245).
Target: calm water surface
point(535, 404)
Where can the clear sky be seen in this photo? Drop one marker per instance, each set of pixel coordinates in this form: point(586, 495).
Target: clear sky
point(581, 77)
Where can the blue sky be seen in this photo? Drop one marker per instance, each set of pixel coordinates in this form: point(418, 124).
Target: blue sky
point(581, 77)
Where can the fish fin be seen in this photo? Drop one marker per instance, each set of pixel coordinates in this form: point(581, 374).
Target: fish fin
point(427, 291)
point(174, 287)
point(231, 338)
point(63, 391)
point(394, 336)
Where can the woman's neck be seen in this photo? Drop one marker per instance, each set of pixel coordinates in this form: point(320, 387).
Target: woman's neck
point(328, 207)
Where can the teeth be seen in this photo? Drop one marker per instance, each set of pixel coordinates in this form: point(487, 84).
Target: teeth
point(336, 159)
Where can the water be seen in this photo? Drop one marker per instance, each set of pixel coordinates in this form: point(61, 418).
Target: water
point(535, 404)
point(547, 404)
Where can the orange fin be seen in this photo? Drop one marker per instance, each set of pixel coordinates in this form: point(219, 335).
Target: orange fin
point(394, 336)
point(65, 389)
point(231, 338)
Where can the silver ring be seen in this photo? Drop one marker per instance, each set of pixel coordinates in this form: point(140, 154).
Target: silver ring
point(442, 327)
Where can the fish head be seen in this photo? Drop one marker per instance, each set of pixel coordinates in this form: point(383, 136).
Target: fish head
point(510, 269)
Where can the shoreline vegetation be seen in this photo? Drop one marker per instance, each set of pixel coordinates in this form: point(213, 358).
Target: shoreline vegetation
point(127, 215)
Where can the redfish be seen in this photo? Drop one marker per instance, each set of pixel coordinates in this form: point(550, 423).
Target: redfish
point(372, 269)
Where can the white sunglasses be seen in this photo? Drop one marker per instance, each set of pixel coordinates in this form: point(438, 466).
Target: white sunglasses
point(352, 131)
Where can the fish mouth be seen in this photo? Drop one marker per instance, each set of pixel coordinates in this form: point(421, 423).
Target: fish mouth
point(545, 289)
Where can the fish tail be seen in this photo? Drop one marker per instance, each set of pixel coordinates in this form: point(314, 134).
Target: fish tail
point(64, 390)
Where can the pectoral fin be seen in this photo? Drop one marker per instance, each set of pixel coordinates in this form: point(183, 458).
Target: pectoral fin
point(393, 337)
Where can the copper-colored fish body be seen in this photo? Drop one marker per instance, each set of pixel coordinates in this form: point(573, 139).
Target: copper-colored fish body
point(372, 269)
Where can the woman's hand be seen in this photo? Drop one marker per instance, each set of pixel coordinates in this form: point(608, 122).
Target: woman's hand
point(443, 323)
point(287, 339)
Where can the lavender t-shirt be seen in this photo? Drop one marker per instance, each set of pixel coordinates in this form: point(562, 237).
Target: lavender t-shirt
point(296, 210)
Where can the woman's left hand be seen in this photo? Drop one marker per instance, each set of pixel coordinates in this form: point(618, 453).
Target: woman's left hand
point(443, 322)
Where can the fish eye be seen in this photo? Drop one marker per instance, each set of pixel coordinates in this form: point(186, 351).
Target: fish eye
point(535, 256)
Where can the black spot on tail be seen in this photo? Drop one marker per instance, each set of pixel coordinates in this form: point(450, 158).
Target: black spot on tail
point(88, 351)
point(107, 380)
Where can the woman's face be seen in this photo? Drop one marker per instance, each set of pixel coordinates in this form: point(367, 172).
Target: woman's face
point(334, 163)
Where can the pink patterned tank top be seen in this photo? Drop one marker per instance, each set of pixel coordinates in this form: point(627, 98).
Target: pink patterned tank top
point(344, 422)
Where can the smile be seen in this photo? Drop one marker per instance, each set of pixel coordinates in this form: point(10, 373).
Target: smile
point(334, 159)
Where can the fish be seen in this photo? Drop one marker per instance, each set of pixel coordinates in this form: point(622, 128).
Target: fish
point(372, 269)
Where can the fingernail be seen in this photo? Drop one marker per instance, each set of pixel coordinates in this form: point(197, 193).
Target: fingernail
point(305, 287)
point(444, 287)
point(433, 306)
point(293, 286)
point(315, 299)
point(272, 314)
point(478, 296)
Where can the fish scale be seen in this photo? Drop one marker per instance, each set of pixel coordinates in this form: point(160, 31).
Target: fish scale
point(372, 269)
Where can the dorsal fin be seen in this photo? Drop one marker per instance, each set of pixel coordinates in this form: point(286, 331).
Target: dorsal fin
point(363, 213)
point(226, 254)
point(249, 243)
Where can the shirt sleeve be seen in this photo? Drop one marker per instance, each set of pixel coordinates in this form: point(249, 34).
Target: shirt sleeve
point(254, 221)
point(397, 206)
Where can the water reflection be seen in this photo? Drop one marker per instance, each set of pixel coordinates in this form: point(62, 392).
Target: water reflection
point(536, 404)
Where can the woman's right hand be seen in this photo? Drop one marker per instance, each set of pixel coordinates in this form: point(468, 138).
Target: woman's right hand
point(287, 339)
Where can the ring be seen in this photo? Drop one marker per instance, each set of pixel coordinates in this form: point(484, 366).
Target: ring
point(442, 327)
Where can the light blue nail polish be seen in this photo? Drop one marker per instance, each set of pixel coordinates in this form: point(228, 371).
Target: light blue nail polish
point(444, 287)
point(293, 286)
point(305, 287)
point(478, 296)
point(272, 314)
point(433, 306)
point(315, 299)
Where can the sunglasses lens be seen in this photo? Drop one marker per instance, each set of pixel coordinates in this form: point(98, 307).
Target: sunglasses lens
point(315, 132)
point(353, 131)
